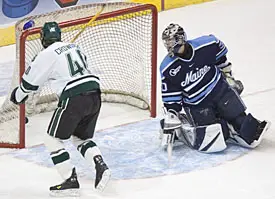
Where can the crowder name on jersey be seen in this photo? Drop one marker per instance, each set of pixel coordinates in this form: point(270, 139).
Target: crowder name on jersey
point(190, 81)
point(64, 66)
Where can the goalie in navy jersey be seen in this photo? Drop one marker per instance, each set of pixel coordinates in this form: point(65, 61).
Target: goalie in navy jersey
point(200, 96)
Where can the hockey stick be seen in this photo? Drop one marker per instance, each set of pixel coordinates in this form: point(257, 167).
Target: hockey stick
point(89, 23)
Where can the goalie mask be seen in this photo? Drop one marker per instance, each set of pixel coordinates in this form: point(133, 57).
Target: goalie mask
point(173, 38)
point(50, 33)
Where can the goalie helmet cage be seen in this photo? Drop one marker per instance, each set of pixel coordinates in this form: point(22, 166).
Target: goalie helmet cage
point(121, 45)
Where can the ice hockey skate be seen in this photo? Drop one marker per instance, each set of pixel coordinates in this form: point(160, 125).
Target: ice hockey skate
point(103, 174)
point(69, 187)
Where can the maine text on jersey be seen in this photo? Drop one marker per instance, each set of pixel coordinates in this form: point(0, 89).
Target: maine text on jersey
point(194, 76)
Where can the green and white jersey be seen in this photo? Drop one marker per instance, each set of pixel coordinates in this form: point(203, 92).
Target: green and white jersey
point(64, 66)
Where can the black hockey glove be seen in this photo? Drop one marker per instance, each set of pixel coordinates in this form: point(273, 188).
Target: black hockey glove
point(13, 97)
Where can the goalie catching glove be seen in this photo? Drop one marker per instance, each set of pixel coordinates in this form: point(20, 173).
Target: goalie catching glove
point(18, 96)
point(227, 73)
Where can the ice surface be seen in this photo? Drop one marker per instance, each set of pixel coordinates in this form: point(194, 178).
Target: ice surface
point(133, 151)
point(247, 28)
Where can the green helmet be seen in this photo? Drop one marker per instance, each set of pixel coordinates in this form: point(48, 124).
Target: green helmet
point(50, 33)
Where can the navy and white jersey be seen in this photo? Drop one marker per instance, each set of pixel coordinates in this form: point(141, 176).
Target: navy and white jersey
point(191, 81)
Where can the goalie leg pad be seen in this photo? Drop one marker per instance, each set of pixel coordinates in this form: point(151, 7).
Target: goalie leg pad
point(249, 128)
point(210, 138)
point(251, 132)
point(207, 139)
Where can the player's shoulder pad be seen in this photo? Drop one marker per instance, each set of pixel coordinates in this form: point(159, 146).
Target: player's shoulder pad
point(46, 56)
point(52, 49)
point(167, 61)
point(203, 41)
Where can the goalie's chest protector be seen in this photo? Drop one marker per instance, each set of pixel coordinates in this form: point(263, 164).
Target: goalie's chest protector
point(196, 77)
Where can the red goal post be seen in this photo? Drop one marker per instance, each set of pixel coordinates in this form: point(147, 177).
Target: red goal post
point(124, 36)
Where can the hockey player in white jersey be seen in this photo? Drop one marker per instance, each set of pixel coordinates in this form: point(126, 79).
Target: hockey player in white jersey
point(64, 66)
point(196, 77)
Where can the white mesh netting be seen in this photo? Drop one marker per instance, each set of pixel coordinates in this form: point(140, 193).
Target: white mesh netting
point(118, 46)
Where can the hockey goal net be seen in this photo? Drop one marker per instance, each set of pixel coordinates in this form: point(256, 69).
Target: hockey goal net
point(121, 49)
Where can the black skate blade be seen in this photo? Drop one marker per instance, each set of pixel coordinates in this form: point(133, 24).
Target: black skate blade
point(65, 193)
point(104, 180)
